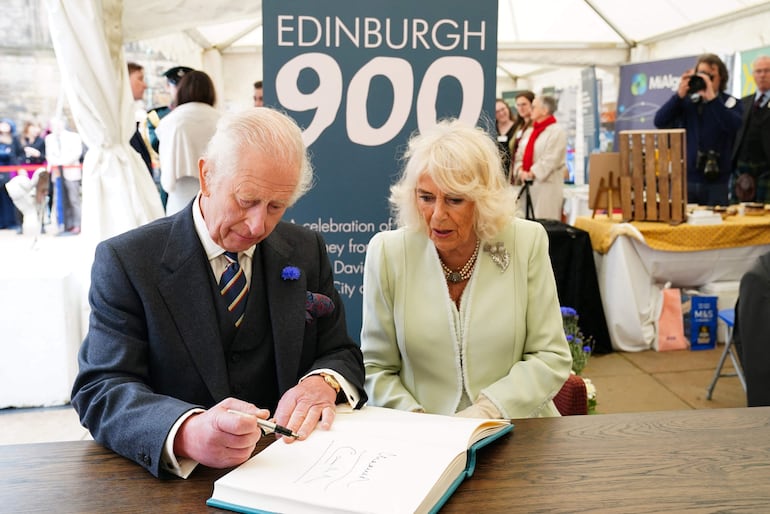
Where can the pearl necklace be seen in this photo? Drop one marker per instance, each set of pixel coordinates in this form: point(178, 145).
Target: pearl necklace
point(463, 273)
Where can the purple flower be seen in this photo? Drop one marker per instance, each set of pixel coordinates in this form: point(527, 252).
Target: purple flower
point(580, 347)
point(290, 273)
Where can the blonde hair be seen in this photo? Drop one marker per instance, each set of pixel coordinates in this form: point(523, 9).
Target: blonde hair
point(462, 160)
point(269, 132)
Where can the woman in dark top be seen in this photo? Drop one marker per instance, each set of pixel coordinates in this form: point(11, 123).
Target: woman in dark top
point(33, 143)
point(505, 128)
point(524, 101)
point(11, 153)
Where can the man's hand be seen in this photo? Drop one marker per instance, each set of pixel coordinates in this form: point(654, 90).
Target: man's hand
point(707, 94)
point(220, 439)
point(302, 406)
point(684, 83)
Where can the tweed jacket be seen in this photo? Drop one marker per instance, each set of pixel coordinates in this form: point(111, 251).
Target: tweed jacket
point(153, 349)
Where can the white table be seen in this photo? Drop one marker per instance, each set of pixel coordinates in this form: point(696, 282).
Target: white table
point(631, 276)
point(41, 318)
point(575, 202)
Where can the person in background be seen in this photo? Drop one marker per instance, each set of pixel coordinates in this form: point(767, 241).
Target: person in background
point(33, 140)
point(541, 161)
point(750, 180)
point(184, 134)
point(138, 87)
point(711, 118)
point(505, 129)
point(33, 143)
point(752, 321)
point(64, 149)
point(259, 99)
point(460, 311)
point(165, 358)
point(34, 154)
point(173, 76)
point(11, 154)
point(523, 101)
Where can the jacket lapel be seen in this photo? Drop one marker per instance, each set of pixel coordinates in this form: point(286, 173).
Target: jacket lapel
point(286, 300)
point(188, 296)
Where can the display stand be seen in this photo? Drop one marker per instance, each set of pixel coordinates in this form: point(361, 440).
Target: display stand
point(605, 189)
point(653, 183)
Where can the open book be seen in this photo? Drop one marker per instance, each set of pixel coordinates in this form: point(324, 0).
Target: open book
point(372, 460)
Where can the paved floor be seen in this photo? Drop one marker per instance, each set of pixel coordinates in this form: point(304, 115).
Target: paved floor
point(654, 381)
point(625, 382)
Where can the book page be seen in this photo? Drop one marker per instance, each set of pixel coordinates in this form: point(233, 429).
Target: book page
point(373, 460)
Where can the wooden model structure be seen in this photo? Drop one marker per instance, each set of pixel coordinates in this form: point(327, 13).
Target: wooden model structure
point(653, 183)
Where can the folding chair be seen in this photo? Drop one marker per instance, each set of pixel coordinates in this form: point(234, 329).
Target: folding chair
point(728, 316)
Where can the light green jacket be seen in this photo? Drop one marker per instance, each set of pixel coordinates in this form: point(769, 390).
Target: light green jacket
point(506, 341)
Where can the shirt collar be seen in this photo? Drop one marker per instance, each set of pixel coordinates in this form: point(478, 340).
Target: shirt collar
point(212, 249)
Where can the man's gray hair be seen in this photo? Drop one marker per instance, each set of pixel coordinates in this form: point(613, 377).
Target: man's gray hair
point(549, 103)
point(269, 132)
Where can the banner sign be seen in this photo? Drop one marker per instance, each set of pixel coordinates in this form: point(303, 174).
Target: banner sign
point(360, 76)
point(746, 78)
point(644, 88)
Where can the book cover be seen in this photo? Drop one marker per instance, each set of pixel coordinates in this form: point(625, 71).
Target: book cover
point(358, 464)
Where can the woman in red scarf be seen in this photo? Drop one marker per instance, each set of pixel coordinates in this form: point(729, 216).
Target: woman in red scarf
point(541, 160)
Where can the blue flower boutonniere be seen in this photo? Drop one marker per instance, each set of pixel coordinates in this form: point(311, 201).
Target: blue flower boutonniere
point(290, 273)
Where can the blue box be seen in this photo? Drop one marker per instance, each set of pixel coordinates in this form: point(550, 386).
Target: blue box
point(700, 315)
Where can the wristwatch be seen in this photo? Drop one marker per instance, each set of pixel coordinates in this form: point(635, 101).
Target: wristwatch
point(329, 379)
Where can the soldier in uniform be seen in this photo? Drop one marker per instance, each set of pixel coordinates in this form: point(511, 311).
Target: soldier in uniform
point(173, 76)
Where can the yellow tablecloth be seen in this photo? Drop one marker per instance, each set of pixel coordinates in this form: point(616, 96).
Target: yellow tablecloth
point(732, 232)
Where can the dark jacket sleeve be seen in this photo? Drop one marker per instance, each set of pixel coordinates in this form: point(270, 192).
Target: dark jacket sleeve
point(752, 329)
point(670, 113)
point(113, 391)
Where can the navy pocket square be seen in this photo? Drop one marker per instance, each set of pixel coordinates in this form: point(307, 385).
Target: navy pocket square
point(317, 305)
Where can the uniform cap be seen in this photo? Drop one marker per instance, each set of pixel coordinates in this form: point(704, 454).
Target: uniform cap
point(175, 74)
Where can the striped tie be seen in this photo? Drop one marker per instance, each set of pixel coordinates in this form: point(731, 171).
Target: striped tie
point(233, 287)
point(760, 101)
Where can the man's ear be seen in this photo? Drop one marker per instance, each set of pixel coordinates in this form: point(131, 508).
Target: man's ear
point(203, 168)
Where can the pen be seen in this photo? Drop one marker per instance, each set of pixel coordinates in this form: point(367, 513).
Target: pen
point(265, 424)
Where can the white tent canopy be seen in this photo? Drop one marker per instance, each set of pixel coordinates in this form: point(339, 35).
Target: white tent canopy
point(224, 37)
point(533, 37)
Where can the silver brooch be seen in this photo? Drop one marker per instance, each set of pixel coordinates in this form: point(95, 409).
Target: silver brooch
point(499, 254)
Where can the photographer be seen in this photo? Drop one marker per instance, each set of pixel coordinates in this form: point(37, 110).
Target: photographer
point(711, 119)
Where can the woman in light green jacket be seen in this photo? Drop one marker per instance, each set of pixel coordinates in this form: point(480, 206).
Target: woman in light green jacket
point(460, 313)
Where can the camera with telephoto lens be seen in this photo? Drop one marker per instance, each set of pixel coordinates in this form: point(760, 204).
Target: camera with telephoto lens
point(708, 163)
point(695, 85)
